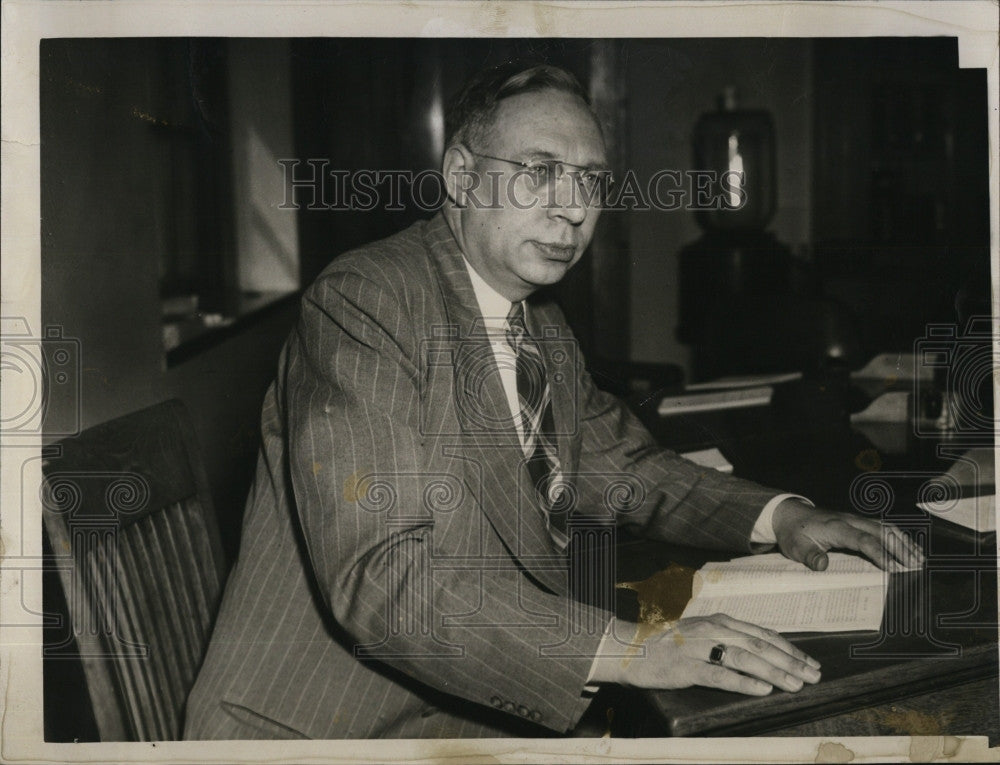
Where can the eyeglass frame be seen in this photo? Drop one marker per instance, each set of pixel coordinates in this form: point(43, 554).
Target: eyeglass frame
point(607, 180)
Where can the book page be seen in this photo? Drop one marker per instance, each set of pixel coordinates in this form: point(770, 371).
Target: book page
point(710, 458)
point(976, 513)
point(975, 469)
point(776, 573)
point(849, 609)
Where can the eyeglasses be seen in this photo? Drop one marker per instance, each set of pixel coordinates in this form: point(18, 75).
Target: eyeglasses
point(546, 173)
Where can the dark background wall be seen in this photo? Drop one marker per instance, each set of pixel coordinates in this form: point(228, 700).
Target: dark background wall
point(900, 206)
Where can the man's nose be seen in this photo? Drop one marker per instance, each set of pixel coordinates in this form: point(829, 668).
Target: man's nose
point(565, 200)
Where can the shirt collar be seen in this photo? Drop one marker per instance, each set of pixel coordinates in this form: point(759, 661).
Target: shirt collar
point(492, 305)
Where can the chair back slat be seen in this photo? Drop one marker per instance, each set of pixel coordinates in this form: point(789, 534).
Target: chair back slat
point(159, 604)
point(184, 630)
point(118, 638)
point(128, 501)
point(190, 544)
point(141, 605)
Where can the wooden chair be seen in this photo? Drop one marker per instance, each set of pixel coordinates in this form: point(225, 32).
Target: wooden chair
point(130, 521)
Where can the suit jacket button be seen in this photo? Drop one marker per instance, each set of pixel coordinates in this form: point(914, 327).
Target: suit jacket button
point(536, 715)
point(496, 701)
point(508, 706)
point(522, 710)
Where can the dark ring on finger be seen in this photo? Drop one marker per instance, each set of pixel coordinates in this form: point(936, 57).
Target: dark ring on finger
point(717, 654)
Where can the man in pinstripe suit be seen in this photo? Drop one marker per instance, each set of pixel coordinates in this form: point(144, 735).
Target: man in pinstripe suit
point(400, 575)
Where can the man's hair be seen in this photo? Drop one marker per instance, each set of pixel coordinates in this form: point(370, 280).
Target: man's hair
point(470, 116)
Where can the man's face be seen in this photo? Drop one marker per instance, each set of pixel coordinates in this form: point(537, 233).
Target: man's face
point(526, 235)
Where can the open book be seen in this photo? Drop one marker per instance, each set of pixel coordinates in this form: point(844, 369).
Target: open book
point(780, 594)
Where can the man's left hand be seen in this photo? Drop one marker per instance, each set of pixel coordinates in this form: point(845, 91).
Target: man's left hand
point(806, 534)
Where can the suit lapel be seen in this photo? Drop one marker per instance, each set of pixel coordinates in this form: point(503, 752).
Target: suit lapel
point(492, 452)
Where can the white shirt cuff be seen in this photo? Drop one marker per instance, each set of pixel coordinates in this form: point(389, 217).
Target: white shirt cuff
point(591, 686)
point(763, 530)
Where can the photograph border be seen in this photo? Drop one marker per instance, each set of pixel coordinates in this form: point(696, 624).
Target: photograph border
point(974, 23)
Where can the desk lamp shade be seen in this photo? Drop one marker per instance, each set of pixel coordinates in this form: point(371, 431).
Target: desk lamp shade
point(736, 261)
point(736, 147)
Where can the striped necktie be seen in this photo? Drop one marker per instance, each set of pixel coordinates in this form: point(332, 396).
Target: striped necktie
point(537, 424)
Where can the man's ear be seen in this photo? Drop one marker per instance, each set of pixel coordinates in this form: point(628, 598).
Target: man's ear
point(459, 178)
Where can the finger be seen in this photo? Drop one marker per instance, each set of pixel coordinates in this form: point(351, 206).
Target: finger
point(904, 549)
point(900, 557)
point(885, 544)
point(811, 553)
point(772, 637)
point(759, 657)
point(809, 550)
point(857, 534)
point(763, 666)
point(714, 676)
point(817, 559)
point(871, 546)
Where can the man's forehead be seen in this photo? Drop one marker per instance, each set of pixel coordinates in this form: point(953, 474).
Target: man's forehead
point(549, 123)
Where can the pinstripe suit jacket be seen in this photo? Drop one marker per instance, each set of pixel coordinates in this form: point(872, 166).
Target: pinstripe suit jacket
point(395, 578)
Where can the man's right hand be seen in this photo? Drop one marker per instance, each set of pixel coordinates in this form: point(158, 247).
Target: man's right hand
point(678, 655)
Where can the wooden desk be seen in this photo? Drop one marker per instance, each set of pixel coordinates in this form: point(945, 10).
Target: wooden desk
point(939, 629)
